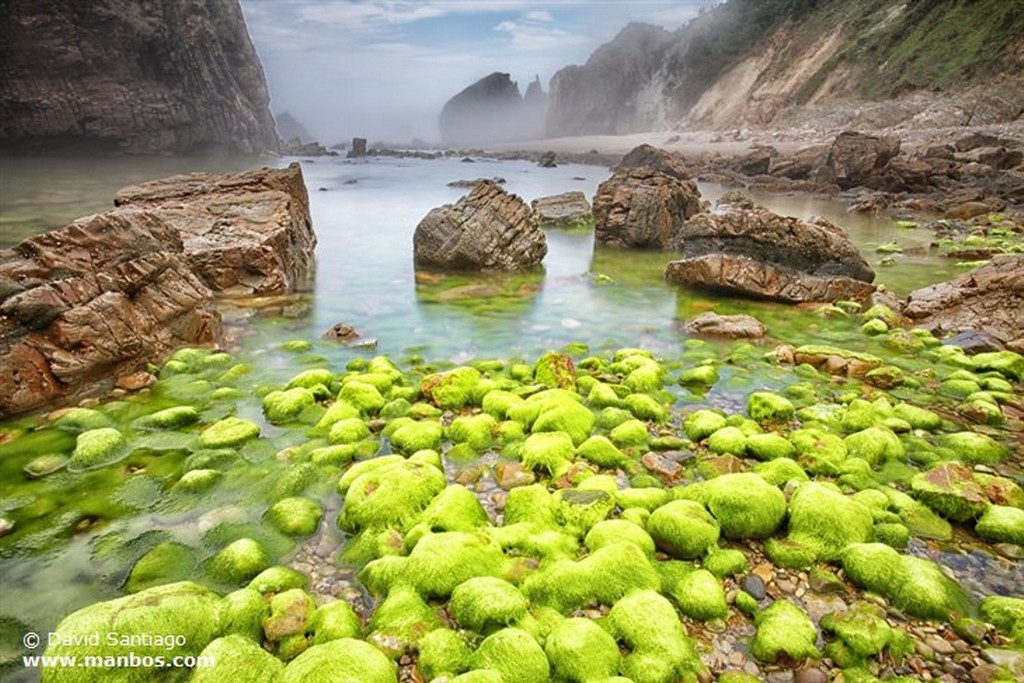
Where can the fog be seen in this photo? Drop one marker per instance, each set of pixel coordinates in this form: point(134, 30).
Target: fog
point(384, 69)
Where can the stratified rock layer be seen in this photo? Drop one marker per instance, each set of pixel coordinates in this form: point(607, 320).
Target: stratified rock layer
point(643, 207)
point(137, 76)
point(246, 233)
point(488, 229)
point(560, 210)
point(989, 298)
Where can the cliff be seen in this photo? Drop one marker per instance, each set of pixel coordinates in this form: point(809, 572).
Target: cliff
point(874, 63)
point(492, 110)
point(131, 76)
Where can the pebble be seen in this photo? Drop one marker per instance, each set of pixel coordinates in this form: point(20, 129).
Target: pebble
point(939, 645)
point(810, 676)
point(6, 526)
point(786, 586)
point(754, 585)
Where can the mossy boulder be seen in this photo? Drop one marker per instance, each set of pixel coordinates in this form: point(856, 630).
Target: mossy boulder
point(401, 619)
point(699, 376)
point(238, 659)
point(659, 649)
point(825, 521)
point(485, 603)
point(580, 650)
point(278, 579)
point(1002, 524)
point(744, 504)
point(728, 440)
point(779, 471)
point(285, 406)
point(630, 435)
point(700, 596)
point(876, 445)
point(476, 430)
point(168, 562)
point(451, 390)
point(348, 430)
point(725, 562)
point(550, 451)
point(555, 371)
point(769, 446)
point(295, 516)
point(341, 661)
point(577, 510)
point(766, 406)
point(683, 529)
point(238, 562)
point(616, 530)
point(784, 629)
point(601, 451)
point(78, 420)
point(175, 417)
point(702, 424)
point(230, 432)
point(917, 517)
point(197, 481)
point(290, 614)
point(243, 612)
point(950, 490)
point(818, 451)
point(334, 621)
point(972, 448)
point(514, 654)
point(1006, 614)
point(389, 495)
point(97, 448)
point(860, 633)
point(646, 407)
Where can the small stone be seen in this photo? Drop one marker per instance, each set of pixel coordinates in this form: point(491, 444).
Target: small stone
point(511, 474)
point(754, 585)
point(786, 586)
point(810, 676)
point(6, 526)
point(939, 645)
point(135, 381)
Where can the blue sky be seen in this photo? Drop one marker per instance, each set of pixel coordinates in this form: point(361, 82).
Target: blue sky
point(384, 68)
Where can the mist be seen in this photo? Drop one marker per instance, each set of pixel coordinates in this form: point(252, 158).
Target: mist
point(384, 70)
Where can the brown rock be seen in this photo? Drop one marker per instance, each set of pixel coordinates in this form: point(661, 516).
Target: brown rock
point(342, 332)
point(989, 298)
point(488, 229)
point(757, 162)
point(857, 159)
point(644, 208)
point(244, 233)
point(967, 210)
point(561, 210)
point(729, 326)
point(647, 156)
point(801, 164)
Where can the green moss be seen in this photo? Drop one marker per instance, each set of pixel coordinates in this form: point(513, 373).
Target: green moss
point(243, 612)
point(826, 520)
point(197, 481)
point(892, 534)
point(725, 562)
point(454, 509)
point(168, 418)
point(417, 436)
point(646, 407)
point(580, 650)
point(783, 628)
point(1002, 524)
point(388, 495)
point(551, 451)
point(485, 603)
point(702, 424)
point(451, 390)
point(700, 596)
point(475, 430)
point(1006, 614)
point(555, 371)
point(237, 659)
point(290, 613)
point(515, 654)
point(861, 633)
point(401, 620)
point(779, 471)
point(278, 579)
point(950, 490)
point(348, 430)
point(1007, 363)
point(766, 406)
point(286, 406)
point(238, 562)
point(747, 604)
point(441, 561)
point(630, 434)
point(576, 511)
point(700, 376)
point(602, 452)
point(364, 397)
point(972, 448)
point(333, 621)
point(443, 652)
point(295, 516)
point(744, 504)
point(168, 562)
point(728, 440)
point(618, 530)
point(919, 518)
point(78, 420)
point(819, 452)
point(341, 661)
point(230, 432)
point(683, 528)
point(876, 445)
point(647, 498)
point(659, 649)
point(97, 448)
point(769, 446)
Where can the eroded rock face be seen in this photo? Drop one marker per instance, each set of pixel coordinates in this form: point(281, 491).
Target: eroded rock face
point(857, 159)
point(642, 207)
point(244, 234)
point(563, 210)
point(488, 229)
point(648, 156)
point(96, 300)
point(138, 76)
point(989, 298)
point(761, 254)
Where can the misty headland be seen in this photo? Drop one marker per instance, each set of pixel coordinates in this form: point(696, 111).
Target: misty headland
point(512, 341)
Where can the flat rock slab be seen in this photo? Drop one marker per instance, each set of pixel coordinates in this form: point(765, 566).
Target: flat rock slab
point(563, 210)
point(488, 229)
point(244, 234)
point(738, 326)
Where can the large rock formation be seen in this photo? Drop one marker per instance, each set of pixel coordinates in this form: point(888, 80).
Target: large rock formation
point(290, 128)
point(642, 207)
point(989, 298)
point(85, 304)
point(492, 110)
point(488, 229)
point(245, 233)
point(761, 254)
point(136, 76)
point(856, 159)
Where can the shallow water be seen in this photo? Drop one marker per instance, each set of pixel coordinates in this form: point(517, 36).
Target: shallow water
point(364, 212)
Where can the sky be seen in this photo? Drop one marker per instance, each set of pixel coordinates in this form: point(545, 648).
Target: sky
point(382, 69)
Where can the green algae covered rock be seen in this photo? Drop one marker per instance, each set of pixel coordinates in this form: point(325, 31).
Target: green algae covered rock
point(514, 654)
point(555, 371)
point(348, 430)
point(476, 430)
point(950, 490)
point(168, 418)
point(617, 530)
point(646, 407)
point(918, 518)
point(197, 481)
point(744, 504)
point(876, 445)
point(784, 628)
point(568, 417)
point(237, 659)
point(577, 510)
point(401, 620)
point(285, 406)
point(725, 562)
point(1006, 614)
point(779, 471)
point(914, 585)
point(728, 440)
point(454, 509)
point(648, 498)
point(683, 529)
point(97, 448)
point(580, 650)
point(765, 406)
point(631, 434)
point(550, 451)
point(604, 576)
point(168, 562)
point(973, 449)
point(702, 424)
point(238, 563)
point(602, 452)
point(334, 621)
point(485, 603)
point(389, 495)
point(341, 661)
point(917, 417)
point(290, 613)
point(309, 379)
point(1002, 524)
point(230, 432)
point(186, 611)
point(278, 579)
point(78, 420)
point(243, 612)
point(1008, 363)
point(860, 633)
point(659, 649)
point(700, 596)
point(451, 390)
point(818, 451)
point(443, 652)
point(769, 446)
point(295, 516)
point(337, 411)
point(699, 376)
point(826, 521)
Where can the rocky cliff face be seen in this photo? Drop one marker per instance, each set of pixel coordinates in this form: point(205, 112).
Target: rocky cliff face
point(875, 63)
point(133, 76)
point(492, 110)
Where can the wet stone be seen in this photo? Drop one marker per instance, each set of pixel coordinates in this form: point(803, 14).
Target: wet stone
point(754, 585)
point(810, 676)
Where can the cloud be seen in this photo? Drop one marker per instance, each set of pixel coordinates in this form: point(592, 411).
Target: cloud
point(539, 15)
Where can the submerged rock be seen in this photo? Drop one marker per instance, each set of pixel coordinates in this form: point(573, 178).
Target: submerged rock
point(739, 326)
point(566, 210)
point(488, 229)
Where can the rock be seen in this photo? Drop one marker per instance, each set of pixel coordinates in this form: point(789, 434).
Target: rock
point(246, 233)
point(473, 182)
point(117, 77)
point(647, 156)
point(342, 332)
point(488, 229)
point(974, 341)
point(98, 299)
point(764, 255)
point(547, 160)
point(754, 585)
point(492, 110)
point(358, 148)
point(998, 158)
point(644, 208)
point(988, 298)
point(856, 159)
point(728, 326)
point(569, 209)
point(757, 162)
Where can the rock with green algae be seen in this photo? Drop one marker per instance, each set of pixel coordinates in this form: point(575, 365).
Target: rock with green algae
point(390, 495)
point(603, 576)
point(699, 376)
point(514, 654)
point(401, 619)
point(334, 621)
point(309, 379)
point(630, 435)
point(950, 490)
point(892, 534)
point(238, 659)
point(579, 650)
point(659, 649)
point(646, 407)
point(876, 445)
point(238, 562)
point(443, 652)
point(728, 440)
point(555, 371)
point(348, 430)
point(1002, 524)
point(917, 417)
point(476, 430)
point(973, 448)
point(618, 530)
point(197, 481)
point(1007, 363)
point(550, 451)
point(485, 603)
point(290, 614)
point(601, 451)
point(700, 596)
point(648, 498)
point(917, 517)
point(566, 416)
point(97, 448)
point(533, 540)
point(533, 504)
point(767, 406)
point(823, 521)
point(602, 395)
point(914, 585)
point(454, 509)
point(784, 628)
point(168, 562)
point(281, 407)
point(417, 435)
point(862, 632)
point(451, 390)
point(345, 660)
point(189, 612)
point(702, 424)
point(819, 452)
point(337, 411)
point(1006, 614)
point(683, 529)
point(576, 510)
point(769, 446)
point(645, 379)
point(230, 432)
point(779, 471)
point(78, 420)
point(175, 417)
point(744, 504)
point(725, 562)
point(736, 677)
point(277, 579)
point(243, 612)
point(295, 516)
point(364, 397)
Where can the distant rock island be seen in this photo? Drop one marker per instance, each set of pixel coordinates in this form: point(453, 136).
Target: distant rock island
point(290, 128)
point(493, 110)
point(131, 76)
